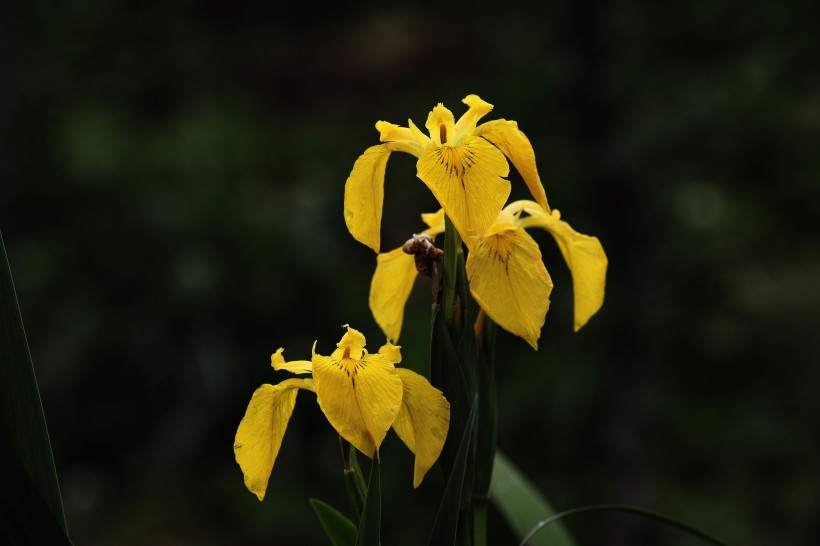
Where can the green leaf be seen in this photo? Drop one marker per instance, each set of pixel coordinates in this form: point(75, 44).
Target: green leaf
point(369, 533)
point(31, 509)
point(447, 520)
point(340, 530)
point(644, 512)
point(523, 506)
point(25, 518)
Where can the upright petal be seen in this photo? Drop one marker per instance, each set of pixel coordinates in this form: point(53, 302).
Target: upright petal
point(260, 432)
point(422, 422)
point(351, 346)
point(516, 146)
point(441, 126)
point(466, 124)
point(391, 352)
point(364, 193)
point(468, 180)
point(391, 285)
point(586, 260)
point(509, 281)
point(360, 398)
point(434, 221)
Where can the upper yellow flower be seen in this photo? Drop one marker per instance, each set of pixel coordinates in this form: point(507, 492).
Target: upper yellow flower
point(461, 162)
point(505, 272)
point(361, 394)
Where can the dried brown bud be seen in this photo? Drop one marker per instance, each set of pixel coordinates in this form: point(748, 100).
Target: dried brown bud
point(427, 255)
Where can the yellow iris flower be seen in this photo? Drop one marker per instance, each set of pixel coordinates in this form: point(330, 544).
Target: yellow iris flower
point(505, 272)
point(361, 394)
point(461, 162)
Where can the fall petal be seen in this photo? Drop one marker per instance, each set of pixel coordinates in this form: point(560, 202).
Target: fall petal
point(422, 422)
point(468, 180)
point(516, 146)
point(261, 430)
point(509, 281)
point(391, 286)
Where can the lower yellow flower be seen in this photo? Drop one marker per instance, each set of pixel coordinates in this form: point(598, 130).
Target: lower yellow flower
point(361, 394)
point(506, 274)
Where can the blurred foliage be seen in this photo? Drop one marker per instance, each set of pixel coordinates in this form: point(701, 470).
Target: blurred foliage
point(171, 179)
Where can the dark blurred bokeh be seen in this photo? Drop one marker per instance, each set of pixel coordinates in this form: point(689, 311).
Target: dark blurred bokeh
point(171, 182)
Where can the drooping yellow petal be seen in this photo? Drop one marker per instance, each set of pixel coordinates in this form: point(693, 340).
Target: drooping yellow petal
point(364, 193)
point(294, 366)
point(422, 422)
point(586, 260)
point(509, 281)
point(391, 286)
point(516, 146)
point(468, 182)
point(466, 124)
point(260, 432)
point(360, 398)
point(391, 352)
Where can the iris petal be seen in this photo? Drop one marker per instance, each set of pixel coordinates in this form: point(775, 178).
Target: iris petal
point(509, 281)
point(277, 360)
point(389, 290)
point(261, 430)
point(586, 260)
point(468, 182)
point(360, 398)
point(517, 147)
point(422, 422)
point(364, 192)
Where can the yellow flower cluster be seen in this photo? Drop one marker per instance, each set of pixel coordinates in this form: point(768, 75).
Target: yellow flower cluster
point(465, 167)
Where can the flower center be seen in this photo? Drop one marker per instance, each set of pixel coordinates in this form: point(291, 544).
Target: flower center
point(442, 133)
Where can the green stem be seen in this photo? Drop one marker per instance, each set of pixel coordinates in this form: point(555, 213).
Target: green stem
point(354, 479)
point(479, 521)
point(486, 440)
point(452, 250)
point(629, 509)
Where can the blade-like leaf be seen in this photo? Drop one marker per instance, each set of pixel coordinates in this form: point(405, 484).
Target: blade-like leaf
point(523, 506)
point(25, 518)
point(28, 472)
point(369, 533)
point(340, 530)
point(446, 524)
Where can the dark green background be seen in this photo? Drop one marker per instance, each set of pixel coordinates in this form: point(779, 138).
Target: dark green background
point(171, 183)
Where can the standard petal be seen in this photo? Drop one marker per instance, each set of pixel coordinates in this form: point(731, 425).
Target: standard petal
point(516, 146)
point(509, 281)
point(277, 360)
point(364, 193)
point(391, 285)
point(360, 398)
point(586, 260)
point(350, 346)
point(260, 432)
point(434, 221)
point(468, 182)
point(441, 125)
point(391, 352)
point(422, 422)
point(465, 126)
